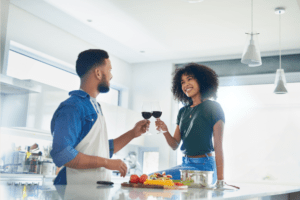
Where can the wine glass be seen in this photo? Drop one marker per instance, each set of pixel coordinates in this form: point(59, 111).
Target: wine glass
point(157, 112)
point(147, 113)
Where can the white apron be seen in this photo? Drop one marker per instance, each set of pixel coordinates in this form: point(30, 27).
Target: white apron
point(95, 143)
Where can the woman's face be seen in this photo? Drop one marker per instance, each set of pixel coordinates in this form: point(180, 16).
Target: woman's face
point(190, 86)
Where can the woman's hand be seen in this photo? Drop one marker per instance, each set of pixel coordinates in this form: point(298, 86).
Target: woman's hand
point(160, 125)
point(221, 183)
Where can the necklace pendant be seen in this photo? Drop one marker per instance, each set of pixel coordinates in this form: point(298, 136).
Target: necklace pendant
point(190, 116)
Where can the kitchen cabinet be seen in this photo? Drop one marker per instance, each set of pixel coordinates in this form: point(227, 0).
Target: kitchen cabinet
point(10, 85)
point(28, 104)
point(14, 94)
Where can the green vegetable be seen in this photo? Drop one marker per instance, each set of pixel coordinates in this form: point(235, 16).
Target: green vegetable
point(176, 181)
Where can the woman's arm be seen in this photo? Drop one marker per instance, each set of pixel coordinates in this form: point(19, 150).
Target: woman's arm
point(218, 131)
point(172, 141)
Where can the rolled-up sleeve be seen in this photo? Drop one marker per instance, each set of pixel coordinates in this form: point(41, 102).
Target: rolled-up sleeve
point(111, 147)
point(65, 128)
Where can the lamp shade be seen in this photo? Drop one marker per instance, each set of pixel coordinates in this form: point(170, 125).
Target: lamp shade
point(280, 82)
point(251, 54)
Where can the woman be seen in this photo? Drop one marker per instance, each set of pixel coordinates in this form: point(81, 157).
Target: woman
point(200, 124)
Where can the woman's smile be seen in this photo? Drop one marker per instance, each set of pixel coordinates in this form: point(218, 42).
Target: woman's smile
point(189, 85)
point(189, 91)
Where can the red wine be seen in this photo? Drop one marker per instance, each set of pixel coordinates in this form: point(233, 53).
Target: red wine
point(146, 115)
point(156, 114)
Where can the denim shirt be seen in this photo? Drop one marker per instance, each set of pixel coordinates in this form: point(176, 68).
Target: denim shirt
point(71, 122)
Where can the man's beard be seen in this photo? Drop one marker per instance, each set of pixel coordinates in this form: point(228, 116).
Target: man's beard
point(103, 86)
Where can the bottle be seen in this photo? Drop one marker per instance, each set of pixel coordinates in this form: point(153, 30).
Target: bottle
point(26, 166)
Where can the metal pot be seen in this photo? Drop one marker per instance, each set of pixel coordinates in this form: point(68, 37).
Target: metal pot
point(203, 178)
point(200, 178)
point(48, 168)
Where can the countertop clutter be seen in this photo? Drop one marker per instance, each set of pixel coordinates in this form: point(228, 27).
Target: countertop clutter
point(116, 192)
point(29, 161)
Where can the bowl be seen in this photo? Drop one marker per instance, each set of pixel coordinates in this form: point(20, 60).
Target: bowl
point(198, 178)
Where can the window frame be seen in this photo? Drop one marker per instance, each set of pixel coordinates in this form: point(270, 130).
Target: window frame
point(43, 58)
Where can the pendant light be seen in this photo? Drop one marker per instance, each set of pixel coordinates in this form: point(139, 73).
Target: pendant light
point(251, 54)
point(280, 81)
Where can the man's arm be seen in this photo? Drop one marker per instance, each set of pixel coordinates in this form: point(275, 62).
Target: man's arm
point(123, 140)
point(66, 128)
point(83, 161)
point(137, 131)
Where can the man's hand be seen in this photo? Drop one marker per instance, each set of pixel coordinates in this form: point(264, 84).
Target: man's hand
point(117, 164)
point(140, 128)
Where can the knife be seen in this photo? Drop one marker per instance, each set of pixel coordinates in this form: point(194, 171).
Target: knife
point(105, 182)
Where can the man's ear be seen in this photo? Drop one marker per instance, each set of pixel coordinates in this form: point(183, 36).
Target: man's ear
point(98, 73)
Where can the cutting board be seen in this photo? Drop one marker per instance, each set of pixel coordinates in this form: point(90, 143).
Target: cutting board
point(140, 185)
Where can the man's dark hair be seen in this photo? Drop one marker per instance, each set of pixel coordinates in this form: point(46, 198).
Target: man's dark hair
point(205, 76)
point(89, 59)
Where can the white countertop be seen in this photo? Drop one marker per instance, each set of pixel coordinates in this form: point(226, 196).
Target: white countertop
point(117, 192)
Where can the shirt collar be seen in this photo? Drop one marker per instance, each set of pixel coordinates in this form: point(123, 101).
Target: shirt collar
point(79, 93)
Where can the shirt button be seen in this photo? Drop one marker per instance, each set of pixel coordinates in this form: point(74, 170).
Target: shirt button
point(92, 120)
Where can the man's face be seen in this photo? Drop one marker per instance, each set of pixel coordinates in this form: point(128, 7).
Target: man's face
point(103, 86)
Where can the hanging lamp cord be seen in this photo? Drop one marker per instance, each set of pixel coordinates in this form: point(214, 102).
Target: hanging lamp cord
point(251, 17)
point(279, 39)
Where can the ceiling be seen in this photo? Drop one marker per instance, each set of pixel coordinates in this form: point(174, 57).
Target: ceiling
point(154, 30)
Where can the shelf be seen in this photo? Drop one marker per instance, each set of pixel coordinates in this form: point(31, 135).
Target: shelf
point(26, 132)
point(10, 85)
point(20, 177)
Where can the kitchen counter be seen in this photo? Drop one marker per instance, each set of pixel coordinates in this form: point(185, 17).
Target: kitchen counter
point(116, 192)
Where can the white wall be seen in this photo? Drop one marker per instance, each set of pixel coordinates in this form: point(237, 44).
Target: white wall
point(31, 31)
point(4, 5)
point(152, 82)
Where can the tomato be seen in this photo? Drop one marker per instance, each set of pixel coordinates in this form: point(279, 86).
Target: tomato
point(143, 178)
point(134, 178)
point(179, 184)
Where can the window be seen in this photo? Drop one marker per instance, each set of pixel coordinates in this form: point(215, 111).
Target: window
point(150, 164)
point(149, 159)
point(24, 67)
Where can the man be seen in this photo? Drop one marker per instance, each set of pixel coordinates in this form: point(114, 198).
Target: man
point(80, 141)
